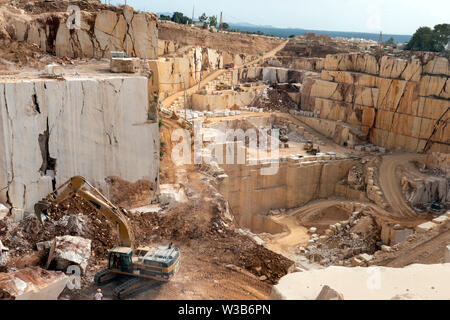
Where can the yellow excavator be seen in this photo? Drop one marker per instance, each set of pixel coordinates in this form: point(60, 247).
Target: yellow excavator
point(311, 149)
point(308, 146)
point(136, 266)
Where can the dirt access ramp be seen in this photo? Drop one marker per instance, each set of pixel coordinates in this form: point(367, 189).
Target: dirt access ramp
point(390, 183)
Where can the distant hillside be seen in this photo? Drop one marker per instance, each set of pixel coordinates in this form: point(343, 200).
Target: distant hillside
point(285, 33)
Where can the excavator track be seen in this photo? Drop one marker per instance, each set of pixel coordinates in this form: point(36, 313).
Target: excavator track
point(104, 277)
point(134, 286)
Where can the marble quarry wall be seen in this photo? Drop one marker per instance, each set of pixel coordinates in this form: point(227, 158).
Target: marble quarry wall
point(211, 102)
point(298, 63)
point(171, 74)
point(399, 104)
point(51, 130)
point(297, 182)
point(99, 33)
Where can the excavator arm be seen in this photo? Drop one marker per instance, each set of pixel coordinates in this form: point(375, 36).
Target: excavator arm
point(81, 187)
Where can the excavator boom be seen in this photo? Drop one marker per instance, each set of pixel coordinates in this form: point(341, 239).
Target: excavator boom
point(80, 186)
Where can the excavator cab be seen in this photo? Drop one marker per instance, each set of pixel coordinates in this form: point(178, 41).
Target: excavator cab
point(121, 259)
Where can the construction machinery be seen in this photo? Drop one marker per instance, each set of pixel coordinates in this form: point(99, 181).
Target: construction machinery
point(136, 266)
point(314, 150)
point(222, 86)
point(310, 148)
point(436, 207)
point(284, 139)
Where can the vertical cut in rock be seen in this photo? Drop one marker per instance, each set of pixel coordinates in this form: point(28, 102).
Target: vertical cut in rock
point(36, 104)
point(48, 163)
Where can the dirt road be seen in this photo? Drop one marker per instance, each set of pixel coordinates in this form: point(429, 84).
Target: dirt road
point(294, 237)
point(390, 183)
point(376, 211)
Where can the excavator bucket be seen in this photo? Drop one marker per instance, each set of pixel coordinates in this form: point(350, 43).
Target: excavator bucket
point(41, 208)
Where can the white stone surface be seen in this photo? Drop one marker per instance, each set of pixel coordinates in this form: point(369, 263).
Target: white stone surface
point(441, 220)
point(97, 129)
point(425, 227)
point(380, 283)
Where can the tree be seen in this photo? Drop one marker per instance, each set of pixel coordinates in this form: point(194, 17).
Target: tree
point(213, 21)
point(203, 17)
point(225, 26)
point(164, 17)
point(422, 40)
point(427, 39)
point(179, 17)
point(390, 42)
point(442, 35)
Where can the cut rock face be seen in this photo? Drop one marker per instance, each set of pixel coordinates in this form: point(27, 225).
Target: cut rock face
point(67, 251)
point(32, 284)
point(63, 118)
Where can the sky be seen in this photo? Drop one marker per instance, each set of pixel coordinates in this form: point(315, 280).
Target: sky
point(389, 16)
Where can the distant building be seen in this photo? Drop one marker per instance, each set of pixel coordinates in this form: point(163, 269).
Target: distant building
point(198, 24)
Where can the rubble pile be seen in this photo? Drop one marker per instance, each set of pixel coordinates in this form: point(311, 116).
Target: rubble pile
point(274, 100)
point(346, 243)
point(127, 195)
point(232, 248)
point(206, 224)
point(356, 177)
point(73, 217)
point(313, 45)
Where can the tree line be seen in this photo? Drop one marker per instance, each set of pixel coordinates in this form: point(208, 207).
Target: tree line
point(179, 17)
point(427, 39)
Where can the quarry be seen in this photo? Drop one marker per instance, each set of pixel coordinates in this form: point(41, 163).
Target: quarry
point(284, 169)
